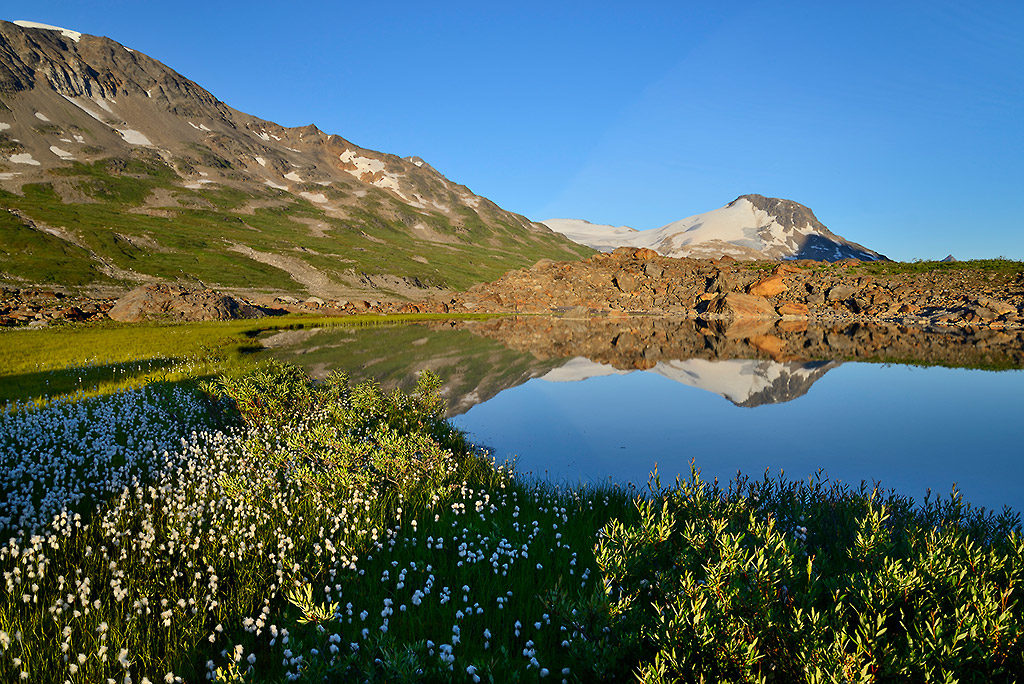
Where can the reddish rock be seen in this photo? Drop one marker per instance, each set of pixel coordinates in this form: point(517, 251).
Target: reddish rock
point(735, 305)
point(793, 309)
point(769, 287)
point(793, 325)
point(769, 344)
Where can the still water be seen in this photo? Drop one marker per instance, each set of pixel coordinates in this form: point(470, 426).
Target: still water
point(602, 400)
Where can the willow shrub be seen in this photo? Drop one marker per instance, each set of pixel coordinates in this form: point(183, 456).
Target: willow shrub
point(335, 437)
point(806, 582)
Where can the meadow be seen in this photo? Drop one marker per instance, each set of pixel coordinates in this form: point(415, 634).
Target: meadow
point(236, 521)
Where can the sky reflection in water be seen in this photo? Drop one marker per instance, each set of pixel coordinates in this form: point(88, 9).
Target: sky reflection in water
point(910, 427)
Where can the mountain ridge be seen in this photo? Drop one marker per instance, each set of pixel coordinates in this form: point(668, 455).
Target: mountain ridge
point(89, 122)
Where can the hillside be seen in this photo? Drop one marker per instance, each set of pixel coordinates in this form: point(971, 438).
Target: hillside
point(115, 169)
point(751, 227)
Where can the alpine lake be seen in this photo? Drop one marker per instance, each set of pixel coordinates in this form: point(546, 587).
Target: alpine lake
point(922, 412)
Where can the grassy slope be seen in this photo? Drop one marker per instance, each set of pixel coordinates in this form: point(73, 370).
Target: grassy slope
point(194, 235)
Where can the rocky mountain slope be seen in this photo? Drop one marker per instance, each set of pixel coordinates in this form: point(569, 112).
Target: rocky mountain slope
point(116, 169)
point(748, 228)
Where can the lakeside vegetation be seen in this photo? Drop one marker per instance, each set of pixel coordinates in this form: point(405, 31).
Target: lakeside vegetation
point(263, 527)
point(94, 359)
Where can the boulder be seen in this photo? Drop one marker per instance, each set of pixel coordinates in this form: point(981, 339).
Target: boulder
point(769, 287)
point(653, 270)
point(735, 305)
point(626, 282)
point(171, 302)
point(1000, 307)
point(795, 309)
point(769, 343)
point(840, 293)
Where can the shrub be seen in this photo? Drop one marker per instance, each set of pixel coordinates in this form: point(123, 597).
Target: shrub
point(803, 582)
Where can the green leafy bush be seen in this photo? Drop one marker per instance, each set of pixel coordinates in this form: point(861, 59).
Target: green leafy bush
point(805, 582)
point(334, 437)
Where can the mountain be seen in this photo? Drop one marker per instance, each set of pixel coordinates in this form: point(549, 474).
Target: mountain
point(748, 228)
point(116, 169)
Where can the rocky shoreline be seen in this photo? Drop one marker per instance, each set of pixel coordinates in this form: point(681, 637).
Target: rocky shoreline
point(640, 281)
point(628, 281)
point(644, 341)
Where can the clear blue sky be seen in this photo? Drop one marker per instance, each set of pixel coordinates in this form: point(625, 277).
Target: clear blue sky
point(901, 124)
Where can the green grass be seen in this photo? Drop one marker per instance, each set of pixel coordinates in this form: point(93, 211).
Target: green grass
point(998, 266)
point(38, 365)
point(41, 257)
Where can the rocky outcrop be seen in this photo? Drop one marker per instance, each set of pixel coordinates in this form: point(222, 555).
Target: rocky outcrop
point(638, 281)
point(173, 303)
point(35, 308)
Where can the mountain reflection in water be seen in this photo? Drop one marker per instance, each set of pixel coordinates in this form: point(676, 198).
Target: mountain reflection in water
point(744, 382)
point(751, 365)
point(600, 398)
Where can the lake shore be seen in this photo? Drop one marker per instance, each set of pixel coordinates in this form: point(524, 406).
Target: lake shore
point(631, 282)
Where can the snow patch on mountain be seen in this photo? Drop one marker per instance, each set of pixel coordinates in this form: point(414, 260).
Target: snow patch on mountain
point(744, 382)
point(599, 237)
point(133, 137)
point(24, 158)
point(63, 154)
point(581, 368)
point(67, 33)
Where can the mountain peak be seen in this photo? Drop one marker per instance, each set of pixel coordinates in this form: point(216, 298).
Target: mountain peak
point(788, 213)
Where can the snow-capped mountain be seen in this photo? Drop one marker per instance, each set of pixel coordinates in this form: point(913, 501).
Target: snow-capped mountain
point(750, 227)
point(744, 382)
